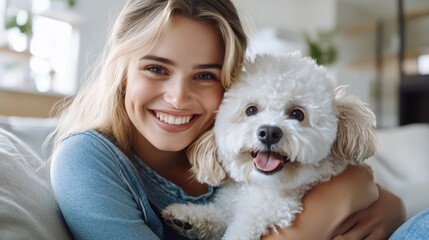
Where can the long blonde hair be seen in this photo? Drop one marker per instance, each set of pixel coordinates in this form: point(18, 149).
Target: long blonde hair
point(100, 102)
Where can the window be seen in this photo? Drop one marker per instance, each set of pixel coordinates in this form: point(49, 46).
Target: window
point(39, 48)
point(423, 64)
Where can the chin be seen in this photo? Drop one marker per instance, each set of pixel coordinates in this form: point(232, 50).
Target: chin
point(169, 146)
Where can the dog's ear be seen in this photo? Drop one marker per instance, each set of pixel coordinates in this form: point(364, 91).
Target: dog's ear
point(356, 137)
point(203, 157)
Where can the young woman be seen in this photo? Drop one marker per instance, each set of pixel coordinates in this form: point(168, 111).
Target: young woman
point(120, 152)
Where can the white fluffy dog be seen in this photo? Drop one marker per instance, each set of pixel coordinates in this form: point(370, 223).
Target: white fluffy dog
point(281, 128)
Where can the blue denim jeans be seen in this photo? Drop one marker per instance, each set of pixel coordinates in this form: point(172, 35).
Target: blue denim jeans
point(416, 228)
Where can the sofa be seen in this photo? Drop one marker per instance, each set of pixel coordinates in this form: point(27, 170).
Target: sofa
point(28, 209)
point(401, 164)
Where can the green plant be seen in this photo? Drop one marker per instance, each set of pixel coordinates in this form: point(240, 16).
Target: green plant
point(70, 3)
point(26, 28)
point(322, 48)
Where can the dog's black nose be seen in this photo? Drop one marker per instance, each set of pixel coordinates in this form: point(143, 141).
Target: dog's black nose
point(269, 135)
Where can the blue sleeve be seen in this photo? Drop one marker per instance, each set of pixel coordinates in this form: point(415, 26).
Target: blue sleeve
point(94, 199)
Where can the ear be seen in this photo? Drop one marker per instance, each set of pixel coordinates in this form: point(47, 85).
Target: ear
point(356, 137)
point(203, 157)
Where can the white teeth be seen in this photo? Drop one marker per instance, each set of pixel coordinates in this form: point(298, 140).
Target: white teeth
point(174, 120)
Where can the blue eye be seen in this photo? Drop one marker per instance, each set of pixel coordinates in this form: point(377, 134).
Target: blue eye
point(205, 76)
point(156, 69)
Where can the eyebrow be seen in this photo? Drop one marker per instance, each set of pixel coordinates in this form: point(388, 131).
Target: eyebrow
point(159, 59)
point(206, 66)
point(171, 62)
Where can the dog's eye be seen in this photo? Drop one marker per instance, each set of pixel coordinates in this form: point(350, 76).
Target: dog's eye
point(297, 114)
point(251, 110)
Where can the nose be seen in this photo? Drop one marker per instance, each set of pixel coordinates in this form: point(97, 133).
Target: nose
point(269, 135)
point(178, 93)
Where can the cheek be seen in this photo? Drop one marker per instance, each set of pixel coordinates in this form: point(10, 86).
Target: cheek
point(131, 97)
point(138, 91)
point(128, 96)
point(212, 103)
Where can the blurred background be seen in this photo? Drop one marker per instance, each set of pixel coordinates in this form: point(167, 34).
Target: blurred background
point(379, 48)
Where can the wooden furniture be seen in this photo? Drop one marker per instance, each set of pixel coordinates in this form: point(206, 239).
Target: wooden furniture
point(413, 88)
point(27, 104)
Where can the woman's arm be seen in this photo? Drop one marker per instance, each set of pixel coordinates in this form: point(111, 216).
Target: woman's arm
point(329, 204)
point(95, 200)
point(378, 221)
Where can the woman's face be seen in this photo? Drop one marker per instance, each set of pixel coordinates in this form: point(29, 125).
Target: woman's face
point(173, 91)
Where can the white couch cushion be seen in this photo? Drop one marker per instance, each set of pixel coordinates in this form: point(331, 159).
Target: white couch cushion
point(401, 164)
point(28, 209)
point(33, 131)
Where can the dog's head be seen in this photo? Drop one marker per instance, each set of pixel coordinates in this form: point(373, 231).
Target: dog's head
point(282, 113)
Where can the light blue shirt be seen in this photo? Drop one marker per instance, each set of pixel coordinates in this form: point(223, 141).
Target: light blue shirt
point(102, 195)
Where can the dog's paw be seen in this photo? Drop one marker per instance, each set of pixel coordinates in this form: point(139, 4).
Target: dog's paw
point(191, 222)
point(178, 224)
point(179, 216)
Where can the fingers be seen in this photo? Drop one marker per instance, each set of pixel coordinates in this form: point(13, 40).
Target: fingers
point(361, 225)
point(346, 225)
point(357, 232)
point(375, 235)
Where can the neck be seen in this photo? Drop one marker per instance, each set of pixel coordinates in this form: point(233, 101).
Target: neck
point(173, 166)
point(160, 161)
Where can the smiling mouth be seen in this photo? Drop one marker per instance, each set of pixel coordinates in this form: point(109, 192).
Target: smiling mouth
point(268, 162)
point(173, 120)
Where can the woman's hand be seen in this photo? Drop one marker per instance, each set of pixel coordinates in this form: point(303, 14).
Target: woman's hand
point(378, 221)
point(329, 204)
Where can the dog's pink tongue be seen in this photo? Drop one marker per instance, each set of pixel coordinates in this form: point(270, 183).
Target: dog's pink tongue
point(267, 161)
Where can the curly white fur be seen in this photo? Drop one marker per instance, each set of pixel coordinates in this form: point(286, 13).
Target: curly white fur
point(317, 131)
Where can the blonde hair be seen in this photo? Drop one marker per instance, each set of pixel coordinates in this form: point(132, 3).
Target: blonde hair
point(100, 102)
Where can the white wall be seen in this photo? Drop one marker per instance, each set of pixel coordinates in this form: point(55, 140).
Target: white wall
point(97, 17)
point(292, 15)
point(280, 25)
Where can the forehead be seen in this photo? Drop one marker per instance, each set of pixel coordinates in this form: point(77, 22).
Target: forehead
point(190, 40)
